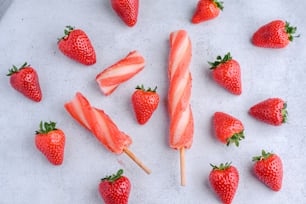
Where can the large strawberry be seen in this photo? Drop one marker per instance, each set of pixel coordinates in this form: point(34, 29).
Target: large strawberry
point(228, 129)
point(226, 72)
point(25, 80)
point(268, 168)
point(145, 102)
point(115, 189)
point(76, 45)
point(224, 180)
point(51, 142)
point(275, 34)
point(272, 111)
point(206, 10)
point(127, 10)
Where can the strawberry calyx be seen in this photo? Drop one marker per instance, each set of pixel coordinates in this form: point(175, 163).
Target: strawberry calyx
point(114, 177)
point(220, 60)
point(45, 127)
point(290, 30)
point(221, 166)
point(15, 69)
point(219, 4)
point(67, 31)
point(235, 138)
point(264, 155)
point(284, 113)
point(143, 89)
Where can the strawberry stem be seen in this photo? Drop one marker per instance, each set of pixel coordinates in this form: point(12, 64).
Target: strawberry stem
point(15, 69)
point(290, 30)
point(67, 31)
point(219, 4)
point(264, 155)
point(143, 89)
point(220, 60)
point(46, 127)
point(284, 113)
point(235, 138)
point(221, 166)
point(113, 177)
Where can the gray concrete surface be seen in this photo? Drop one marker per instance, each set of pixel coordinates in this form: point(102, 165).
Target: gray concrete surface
point(29, 32)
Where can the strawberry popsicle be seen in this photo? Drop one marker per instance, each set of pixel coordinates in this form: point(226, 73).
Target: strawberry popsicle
point(110, 78)
point(101, 126)
point(181, 118)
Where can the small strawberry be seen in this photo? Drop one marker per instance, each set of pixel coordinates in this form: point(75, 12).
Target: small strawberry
point(224, 180)
point(207, 10)
point(51, 142)
point(272, 111)
point(76, 45)
point(226, 72)
point(127, 10)
point(25, 80)
point(268, 168)
point(115, 189)
point(276, 34)
point(145, 102)
point(227, 128)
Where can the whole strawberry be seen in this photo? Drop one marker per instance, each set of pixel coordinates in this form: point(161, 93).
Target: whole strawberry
point(275, 34)
point(224, 180)
point(272, 111)
point(25, 80)
point(127, 10)
point(228, 129)
point(207, 10)
point(268, 168)
point(115, 189)
point(76, 45)
point(51, 142)
point(145, 102)
point(226, 72)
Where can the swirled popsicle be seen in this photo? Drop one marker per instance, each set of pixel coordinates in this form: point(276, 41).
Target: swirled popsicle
point(179, 93)
point(110, 78)
point(101, 126)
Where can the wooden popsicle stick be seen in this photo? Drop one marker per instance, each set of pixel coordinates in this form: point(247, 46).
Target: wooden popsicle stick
point(182, 166)
point(136, 160)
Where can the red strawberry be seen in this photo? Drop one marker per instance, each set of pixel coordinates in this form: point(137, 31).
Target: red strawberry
point(227, 128)
point(145, 102)
point(226, 72)
point(115, 189)
point(76, 45)
point(51, 142)
point(25, 80)
point(127, 10)
point(207, 10)
point(276, 34)
point(272, 111)
point(268, 168)
point(224, 180)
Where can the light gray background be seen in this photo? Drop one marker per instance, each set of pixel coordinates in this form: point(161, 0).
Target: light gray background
point(29, 32)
